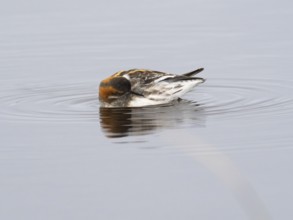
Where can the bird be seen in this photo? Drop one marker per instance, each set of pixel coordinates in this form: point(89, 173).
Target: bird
point(143, 87)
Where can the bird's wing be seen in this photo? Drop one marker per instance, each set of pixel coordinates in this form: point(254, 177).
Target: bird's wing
point(142, 79)
point(144, 82)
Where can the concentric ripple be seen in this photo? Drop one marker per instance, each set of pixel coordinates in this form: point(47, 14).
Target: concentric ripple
point(67, 102)
point(246, 97)
point(79, 102)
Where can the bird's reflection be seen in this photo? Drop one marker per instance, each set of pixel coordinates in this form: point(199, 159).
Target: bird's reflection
point(121, 122)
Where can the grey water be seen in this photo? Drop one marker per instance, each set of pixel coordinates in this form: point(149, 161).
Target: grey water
point(224, 152)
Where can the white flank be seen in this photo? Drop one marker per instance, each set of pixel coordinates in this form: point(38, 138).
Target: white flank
point(168, 93)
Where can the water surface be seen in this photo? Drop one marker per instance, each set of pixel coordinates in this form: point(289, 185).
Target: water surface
point(224, 151)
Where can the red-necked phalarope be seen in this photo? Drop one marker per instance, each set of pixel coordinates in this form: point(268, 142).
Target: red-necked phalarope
point(140, 87)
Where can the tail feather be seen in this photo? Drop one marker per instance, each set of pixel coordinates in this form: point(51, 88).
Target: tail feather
point(192, 73)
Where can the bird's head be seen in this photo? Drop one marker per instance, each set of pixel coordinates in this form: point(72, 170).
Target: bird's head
point(113, 88)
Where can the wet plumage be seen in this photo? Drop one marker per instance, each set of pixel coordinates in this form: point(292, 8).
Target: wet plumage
point(140, 87)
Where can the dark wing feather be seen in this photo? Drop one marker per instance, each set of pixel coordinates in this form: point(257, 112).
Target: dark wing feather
point(182, 78)
point(192, 73)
